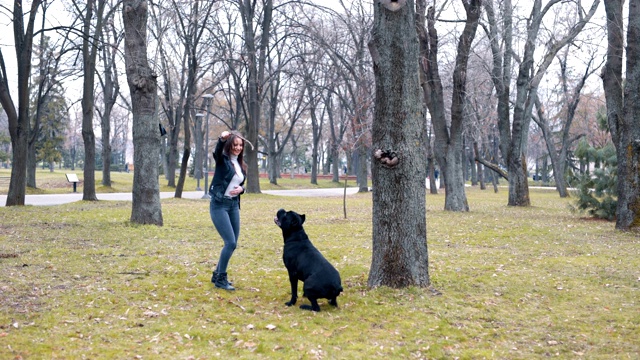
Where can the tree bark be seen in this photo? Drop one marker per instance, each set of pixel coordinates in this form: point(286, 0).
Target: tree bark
point(624, 122)
point(141, 79)
point(514, 133)
point(400, 256)
point(90, 47)
point(111, 91)
point(449, 144)
point(431, 82)
point(19, 120)
point(256, 58)
point(317, 123)
point(192, 31)
point(41, 99)
point(612, 71)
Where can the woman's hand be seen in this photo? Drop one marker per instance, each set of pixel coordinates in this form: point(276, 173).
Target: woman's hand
point(225, 134)
point(236, 191)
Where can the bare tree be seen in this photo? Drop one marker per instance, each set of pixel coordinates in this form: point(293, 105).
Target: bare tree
point(111, 38)
point(449, 143)
point(337, 128)
point(346, 45)
point(514, 132)
point(90, 46)
point(45, 81)
point(558, 146)
point(316, 112)
point(623, 108)
point(284, 112)
point(141, 78)
point(19, 118)
point(256, 52)
point(172, 97)
point(400, 256)
point(181, 78)
point(192, 28)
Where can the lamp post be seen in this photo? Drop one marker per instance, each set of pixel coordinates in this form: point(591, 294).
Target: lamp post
point(208, 98)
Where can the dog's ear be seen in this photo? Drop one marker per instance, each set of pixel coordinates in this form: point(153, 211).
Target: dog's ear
point(301, 219)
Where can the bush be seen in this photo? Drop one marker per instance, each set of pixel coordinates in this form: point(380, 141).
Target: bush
point(595, 192)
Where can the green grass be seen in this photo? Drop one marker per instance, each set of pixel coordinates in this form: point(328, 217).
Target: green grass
point(56, 182)
point(80, 281)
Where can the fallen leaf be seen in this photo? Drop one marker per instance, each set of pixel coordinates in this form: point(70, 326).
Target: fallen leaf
point(150, 313)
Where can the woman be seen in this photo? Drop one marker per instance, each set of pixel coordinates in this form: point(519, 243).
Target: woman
point(225, 190)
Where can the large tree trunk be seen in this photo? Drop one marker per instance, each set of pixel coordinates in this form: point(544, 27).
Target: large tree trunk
point(19, 120)
point(612, 71)
point(628, 207)
point(624, 122)
point(146, 207)
point(400, 256)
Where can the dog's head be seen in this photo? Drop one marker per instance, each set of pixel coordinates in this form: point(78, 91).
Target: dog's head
point(289, 220)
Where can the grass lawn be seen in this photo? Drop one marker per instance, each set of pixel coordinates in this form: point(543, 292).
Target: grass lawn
point(80, 281)
point(56, 182)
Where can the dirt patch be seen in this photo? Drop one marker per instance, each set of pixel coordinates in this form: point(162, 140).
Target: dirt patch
point(56, 184)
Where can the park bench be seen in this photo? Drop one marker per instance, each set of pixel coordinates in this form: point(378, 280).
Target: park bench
point(5, 180)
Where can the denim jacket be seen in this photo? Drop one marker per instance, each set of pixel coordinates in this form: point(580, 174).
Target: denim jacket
point(223, 174)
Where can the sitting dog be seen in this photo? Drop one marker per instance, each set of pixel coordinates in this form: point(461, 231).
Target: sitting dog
point(305, 263)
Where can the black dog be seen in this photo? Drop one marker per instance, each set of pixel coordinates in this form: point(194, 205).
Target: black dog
point(305, 263)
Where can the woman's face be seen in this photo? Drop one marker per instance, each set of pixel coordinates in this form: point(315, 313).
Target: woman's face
point(236, 148)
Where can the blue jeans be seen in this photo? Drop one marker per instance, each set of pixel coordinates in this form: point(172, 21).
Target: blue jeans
point(225, 215)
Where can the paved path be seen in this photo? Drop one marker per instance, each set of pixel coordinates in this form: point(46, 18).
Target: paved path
point(57, 199)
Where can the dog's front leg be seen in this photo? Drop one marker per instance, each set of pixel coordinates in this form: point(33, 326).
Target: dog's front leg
point(313, 307)
point(293, 279)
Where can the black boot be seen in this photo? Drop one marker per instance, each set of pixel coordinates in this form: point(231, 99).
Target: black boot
point(215, 275)
point(222, 283)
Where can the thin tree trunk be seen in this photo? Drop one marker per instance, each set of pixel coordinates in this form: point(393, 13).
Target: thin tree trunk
point(90, 47)
point(480, 170)
point(40, 101)
point(111, 92)
point(557, 160)
point(449, 140)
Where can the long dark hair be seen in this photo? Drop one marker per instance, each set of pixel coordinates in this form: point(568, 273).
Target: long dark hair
point(229, 144)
